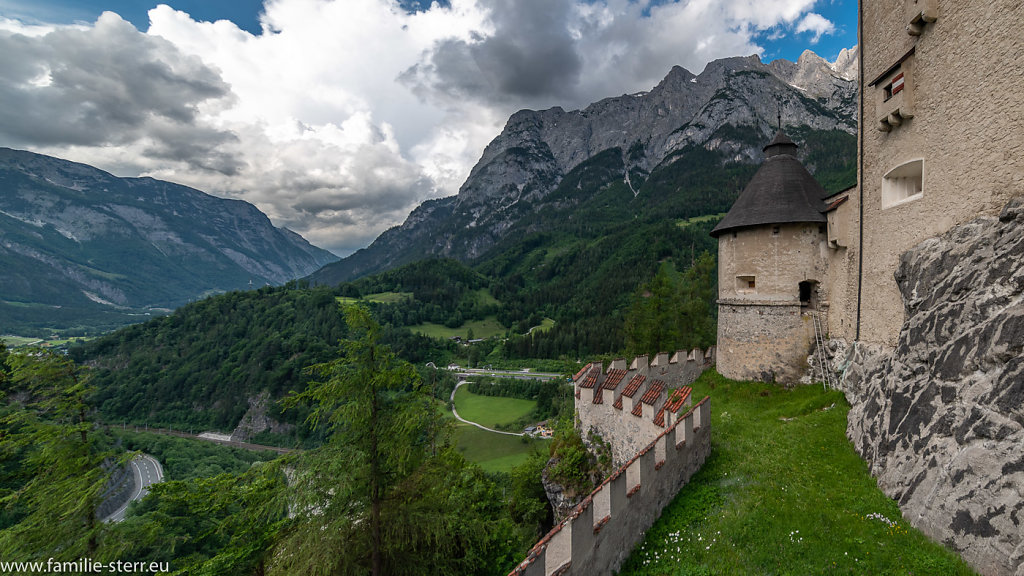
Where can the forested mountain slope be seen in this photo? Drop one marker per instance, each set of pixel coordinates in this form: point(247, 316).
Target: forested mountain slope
point(81, 247)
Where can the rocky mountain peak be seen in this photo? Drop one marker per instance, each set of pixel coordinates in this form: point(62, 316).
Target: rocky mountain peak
point(730, 108)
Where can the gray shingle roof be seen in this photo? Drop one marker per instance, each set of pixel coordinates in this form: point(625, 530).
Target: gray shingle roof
point(782, 191)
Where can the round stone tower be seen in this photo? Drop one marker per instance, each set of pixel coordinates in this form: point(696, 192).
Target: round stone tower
point(772, 265)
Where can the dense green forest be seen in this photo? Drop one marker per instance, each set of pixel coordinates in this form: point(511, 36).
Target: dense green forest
point(372, 498)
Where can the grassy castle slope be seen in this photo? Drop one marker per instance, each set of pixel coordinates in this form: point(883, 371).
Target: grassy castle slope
point(783, 492)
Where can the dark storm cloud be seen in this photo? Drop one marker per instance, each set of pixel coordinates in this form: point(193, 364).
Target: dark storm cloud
point(530, 54)
point(108, 85)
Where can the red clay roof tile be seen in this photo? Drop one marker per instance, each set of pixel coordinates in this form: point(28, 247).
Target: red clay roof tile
point(610, 383)
point(591, 380)
point(678, 398)
point(581, 372)
point(653, 392)
point(630, 390)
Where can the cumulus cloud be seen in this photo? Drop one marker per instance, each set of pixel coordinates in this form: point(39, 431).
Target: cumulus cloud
point(817, 25)
point(108, 85)
point(340, 117)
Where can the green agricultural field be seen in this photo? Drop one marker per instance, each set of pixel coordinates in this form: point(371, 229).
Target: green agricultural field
point(783, 492)
point(491, 451)
point(380, 298)
point(494, 452)
point(15, 341)
point(491, 411)
point(545, 325)
point(483, 296)
point(487, 328)
point(700, 219)
point(388, 297)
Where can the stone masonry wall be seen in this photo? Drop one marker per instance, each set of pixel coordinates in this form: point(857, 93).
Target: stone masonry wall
point(603, 530)
point(967, 125)
point(611, 403)
point(766, 342)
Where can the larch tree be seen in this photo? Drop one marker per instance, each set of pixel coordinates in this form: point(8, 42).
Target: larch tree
point(55, 469)
point(379, 426)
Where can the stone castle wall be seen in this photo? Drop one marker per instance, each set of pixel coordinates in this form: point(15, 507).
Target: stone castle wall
point(630, 405)
point(968, 116)
point(602, 531)
point(767, 341)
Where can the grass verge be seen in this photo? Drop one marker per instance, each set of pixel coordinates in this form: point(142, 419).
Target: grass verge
point(783, 492)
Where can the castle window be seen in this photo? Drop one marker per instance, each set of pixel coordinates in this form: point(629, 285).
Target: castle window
point(775, 231)
point(904, 183)
point(746, 284)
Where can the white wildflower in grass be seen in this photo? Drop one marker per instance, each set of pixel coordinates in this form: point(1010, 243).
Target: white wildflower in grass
point(880, 518)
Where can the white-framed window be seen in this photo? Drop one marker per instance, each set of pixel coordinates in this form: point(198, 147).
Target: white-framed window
point(903, 183)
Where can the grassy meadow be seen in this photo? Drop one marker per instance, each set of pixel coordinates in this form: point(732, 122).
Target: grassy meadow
point(491, 411)
point(491, 451)
point(486, 328)
point(494, 452)
point(783, 492)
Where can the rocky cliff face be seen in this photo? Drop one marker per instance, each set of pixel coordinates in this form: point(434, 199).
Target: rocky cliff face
point(940, 420)
point(73, 237)
point(731, 107)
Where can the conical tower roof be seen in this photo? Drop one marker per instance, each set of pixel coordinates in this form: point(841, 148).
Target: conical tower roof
point(782, 191)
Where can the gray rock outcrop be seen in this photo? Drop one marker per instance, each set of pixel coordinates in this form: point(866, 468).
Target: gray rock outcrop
point(562, 499)
point(940, 420)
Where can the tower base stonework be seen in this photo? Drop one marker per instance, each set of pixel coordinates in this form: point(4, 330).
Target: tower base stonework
point(765, 341)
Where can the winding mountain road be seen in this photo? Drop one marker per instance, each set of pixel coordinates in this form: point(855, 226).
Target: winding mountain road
point(146, 471)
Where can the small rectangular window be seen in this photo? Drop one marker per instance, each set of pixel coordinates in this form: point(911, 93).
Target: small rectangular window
point(775, 231)
point(746, 284)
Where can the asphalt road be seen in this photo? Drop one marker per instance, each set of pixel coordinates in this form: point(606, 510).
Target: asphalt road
point(147, 471)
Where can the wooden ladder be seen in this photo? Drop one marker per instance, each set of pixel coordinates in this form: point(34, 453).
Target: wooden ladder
point(819, 343)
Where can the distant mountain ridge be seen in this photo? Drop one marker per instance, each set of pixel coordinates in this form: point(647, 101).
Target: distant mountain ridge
point(730, 109)
point(81, 247)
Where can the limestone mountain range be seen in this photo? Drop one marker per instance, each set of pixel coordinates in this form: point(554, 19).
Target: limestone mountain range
point(81, 247)
point(731, 108)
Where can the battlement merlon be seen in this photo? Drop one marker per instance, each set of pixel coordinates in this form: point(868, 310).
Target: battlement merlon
point(623, 387)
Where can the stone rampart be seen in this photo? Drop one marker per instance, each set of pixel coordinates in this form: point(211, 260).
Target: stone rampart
point(603, 529)
point(629, 406)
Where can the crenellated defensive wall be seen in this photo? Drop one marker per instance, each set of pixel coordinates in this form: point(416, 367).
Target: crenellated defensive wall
point(605, 527)
point(630, 404)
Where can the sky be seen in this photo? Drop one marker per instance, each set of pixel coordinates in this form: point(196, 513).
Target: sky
point(338, 117)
